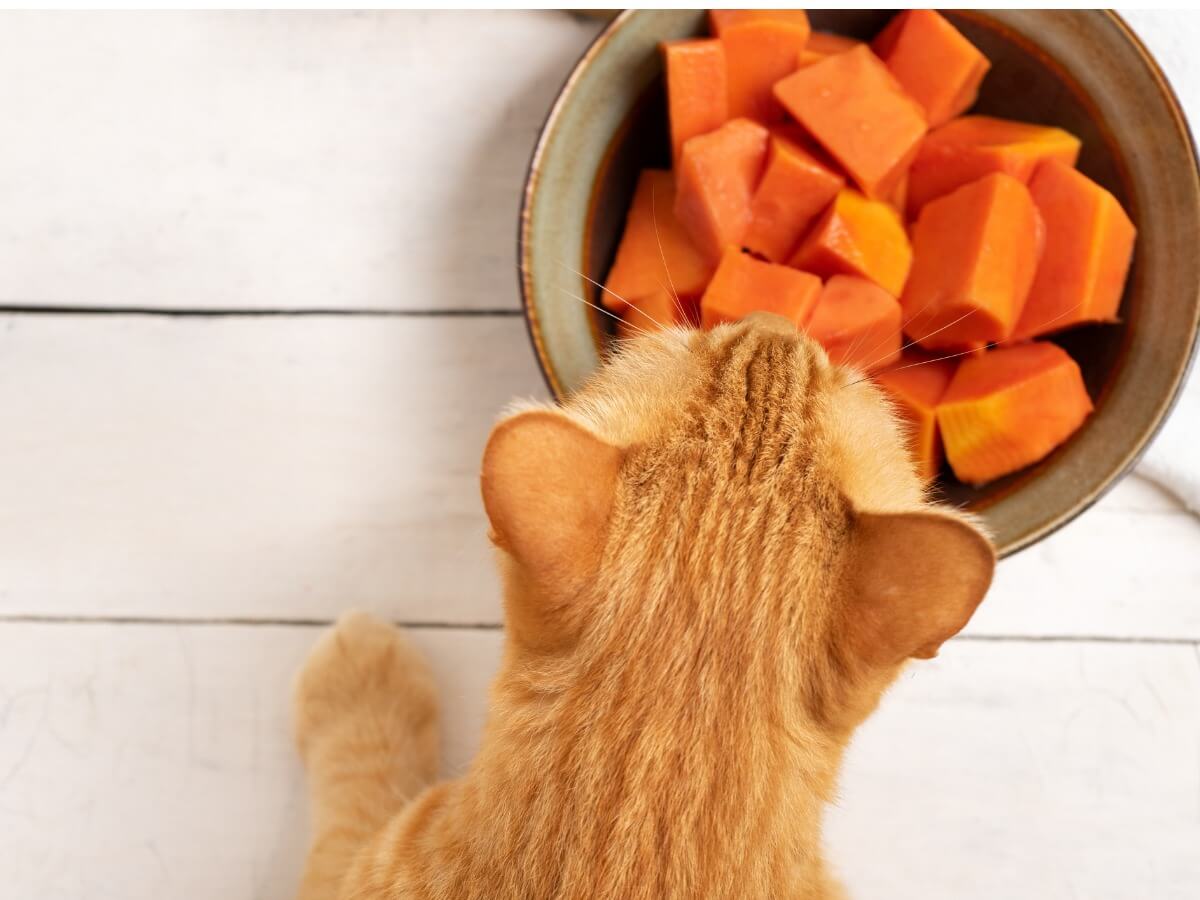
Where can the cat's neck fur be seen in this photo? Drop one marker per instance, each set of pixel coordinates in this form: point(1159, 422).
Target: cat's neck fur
point(698, 790)
point(608, 815)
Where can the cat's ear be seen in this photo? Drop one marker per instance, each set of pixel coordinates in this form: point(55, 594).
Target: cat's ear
point(548, 487)
point(915, 579)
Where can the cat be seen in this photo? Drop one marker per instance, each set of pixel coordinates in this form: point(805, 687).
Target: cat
point(716, 558)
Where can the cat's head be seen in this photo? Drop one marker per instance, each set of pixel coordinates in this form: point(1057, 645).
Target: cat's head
point(725, 517)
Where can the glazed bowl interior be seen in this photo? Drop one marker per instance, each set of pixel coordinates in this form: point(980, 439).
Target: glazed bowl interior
point(1082, 71)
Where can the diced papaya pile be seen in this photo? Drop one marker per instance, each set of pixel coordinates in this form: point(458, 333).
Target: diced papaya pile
point(842, 182)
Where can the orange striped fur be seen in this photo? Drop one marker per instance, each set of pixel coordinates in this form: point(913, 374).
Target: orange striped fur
point(716, 558)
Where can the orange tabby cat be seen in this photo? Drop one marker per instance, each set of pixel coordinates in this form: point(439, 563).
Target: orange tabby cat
point(716, 558)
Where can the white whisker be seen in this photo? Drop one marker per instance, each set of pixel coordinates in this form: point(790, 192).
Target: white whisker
point(628, 303)
point(923, 362)
point(662, 254)
point(609, 313)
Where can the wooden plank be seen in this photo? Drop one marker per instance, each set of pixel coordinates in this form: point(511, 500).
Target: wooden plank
point(1056, 771)
point(285, 468)
point(283, 160)
point(1111, 573)
point(264, 467)
point(150, 761)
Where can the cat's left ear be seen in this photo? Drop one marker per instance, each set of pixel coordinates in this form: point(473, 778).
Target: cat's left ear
point(914, 580)
point(548, 487)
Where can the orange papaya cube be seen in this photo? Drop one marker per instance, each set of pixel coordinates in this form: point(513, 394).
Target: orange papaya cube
point(795, 20)
point(718, 174)
point(655, 253)
point(974, 257)
point(825, 43)
point(857, 111)
point(656, 312)
point(1008, 408)
point(968, 148)
point(916, 384)
point(697, 92)
point(1089, 245)
point(857, 322)
point(939, 67)
point(857, 236)
point(761, 46)
point(796, 186)
point(743, 284)
point(757, 55)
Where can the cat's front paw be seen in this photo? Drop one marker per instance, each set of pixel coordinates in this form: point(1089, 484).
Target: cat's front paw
point(362, 668)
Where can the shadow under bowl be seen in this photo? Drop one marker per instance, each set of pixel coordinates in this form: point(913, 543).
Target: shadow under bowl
point(1084, 71)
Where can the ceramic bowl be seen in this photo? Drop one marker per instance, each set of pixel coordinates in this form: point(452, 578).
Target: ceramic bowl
point(1082, 70)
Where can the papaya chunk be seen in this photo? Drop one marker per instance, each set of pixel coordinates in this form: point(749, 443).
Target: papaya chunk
point(655, 252)
point(968, 148)
point(761, 46)
point(721, 20)
point(758, 54)
point(858, 112)
point(1089, 244)
point(939, 67)
point(697, 100)
point(718, 174)
point(857, 322)
point(654, 313)
point(825, 43)
point(974, 256)
point(743, 284)
point(916, 385)
point(857, 236)
point(1008, 408)
point(795, 187)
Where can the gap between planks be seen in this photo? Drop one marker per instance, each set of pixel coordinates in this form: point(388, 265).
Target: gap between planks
point(245, 621)
point(253, 312)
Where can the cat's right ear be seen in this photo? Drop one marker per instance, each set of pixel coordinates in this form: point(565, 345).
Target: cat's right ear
point(548, 486)
point(914, 581)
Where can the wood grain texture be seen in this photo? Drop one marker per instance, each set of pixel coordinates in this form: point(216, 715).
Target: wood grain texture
point(150, 761)
point(263, 467)
point(1049, 771)
point(284, 468)
point(282, 160)
point(156, 761)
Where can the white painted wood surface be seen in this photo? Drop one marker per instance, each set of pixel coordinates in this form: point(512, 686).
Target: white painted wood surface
point(1051, 771)
point(139, 762)
point(273, 467)
point(190, 470)
point(142, 762)
point(282, 160)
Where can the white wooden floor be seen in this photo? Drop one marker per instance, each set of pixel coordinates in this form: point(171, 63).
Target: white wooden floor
point(258, 310)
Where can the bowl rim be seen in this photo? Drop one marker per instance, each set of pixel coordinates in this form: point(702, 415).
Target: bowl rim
point(550, 376)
